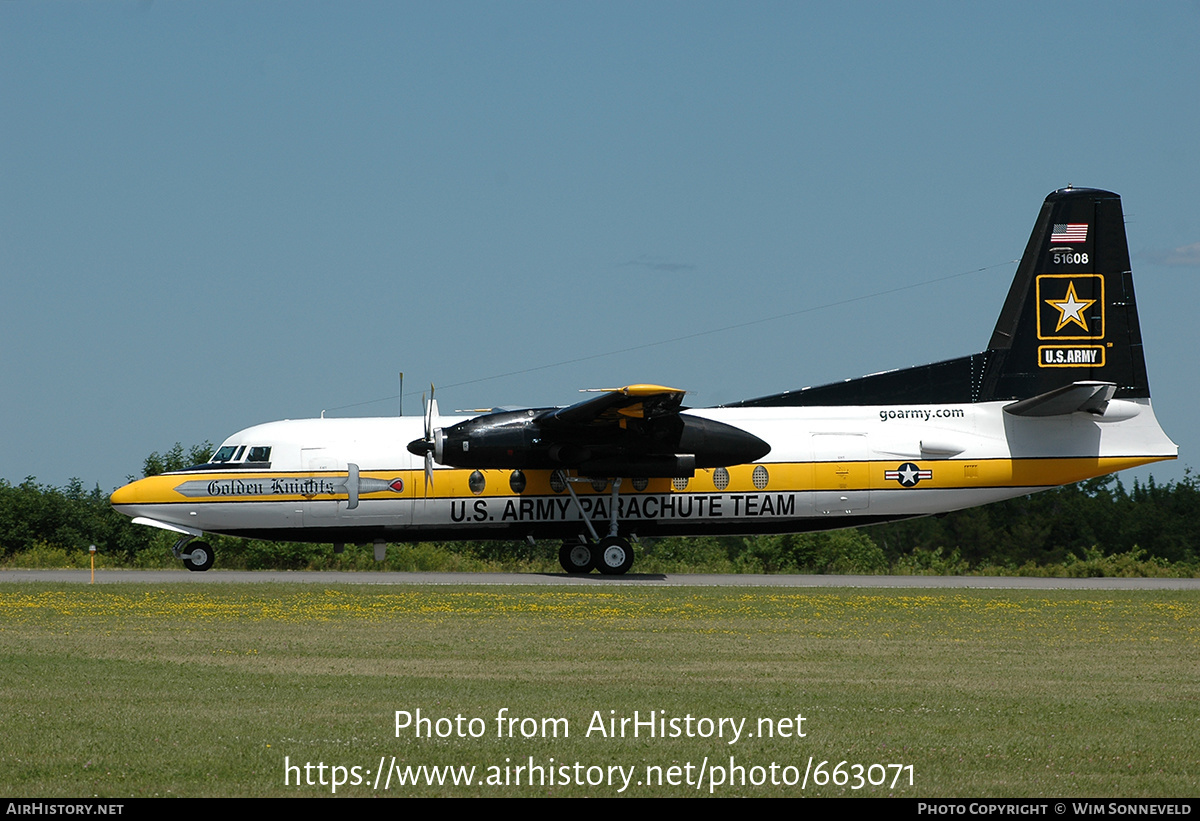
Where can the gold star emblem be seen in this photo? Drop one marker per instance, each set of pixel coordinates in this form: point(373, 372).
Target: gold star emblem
point(1070, 309)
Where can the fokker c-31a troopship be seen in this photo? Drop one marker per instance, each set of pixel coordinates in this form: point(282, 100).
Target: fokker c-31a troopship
point(1059, 395)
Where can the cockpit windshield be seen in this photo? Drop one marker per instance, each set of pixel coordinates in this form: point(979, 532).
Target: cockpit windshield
point(229, 454)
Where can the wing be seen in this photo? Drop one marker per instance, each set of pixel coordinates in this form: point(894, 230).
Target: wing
point(634, 431)
point(615, 405)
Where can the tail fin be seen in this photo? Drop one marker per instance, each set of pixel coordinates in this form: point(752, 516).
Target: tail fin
point(1070, 318)
point(1070, 315)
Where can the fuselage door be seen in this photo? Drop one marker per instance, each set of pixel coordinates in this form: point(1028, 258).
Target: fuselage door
point(841, 473)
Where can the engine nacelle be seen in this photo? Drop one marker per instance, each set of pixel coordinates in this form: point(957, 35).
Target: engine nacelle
point(666, 446)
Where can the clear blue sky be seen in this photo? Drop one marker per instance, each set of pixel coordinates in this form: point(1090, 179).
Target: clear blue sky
point(221, 213)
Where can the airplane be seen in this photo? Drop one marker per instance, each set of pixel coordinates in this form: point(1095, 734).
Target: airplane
point(1059, 395)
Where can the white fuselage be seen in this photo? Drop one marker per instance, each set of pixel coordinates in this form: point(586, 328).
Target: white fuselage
point(339, 480)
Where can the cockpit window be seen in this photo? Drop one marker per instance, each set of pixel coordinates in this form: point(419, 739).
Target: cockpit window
point(259, 454)
point(225, 454)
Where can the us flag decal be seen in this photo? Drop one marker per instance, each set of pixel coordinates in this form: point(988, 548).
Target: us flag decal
point(1071, 232)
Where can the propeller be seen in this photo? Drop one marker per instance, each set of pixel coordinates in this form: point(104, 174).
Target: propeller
point(430, 436)
point(427, 446)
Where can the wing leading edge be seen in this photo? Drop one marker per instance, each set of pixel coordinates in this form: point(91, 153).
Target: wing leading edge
point(616, 404)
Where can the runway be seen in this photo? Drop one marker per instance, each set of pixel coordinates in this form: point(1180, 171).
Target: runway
point(592, 580)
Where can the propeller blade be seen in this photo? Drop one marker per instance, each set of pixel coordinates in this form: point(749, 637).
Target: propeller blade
point(431, 412)
point(427, 407)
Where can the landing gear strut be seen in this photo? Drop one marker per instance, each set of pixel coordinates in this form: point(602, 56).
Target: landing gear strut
point(612, 555)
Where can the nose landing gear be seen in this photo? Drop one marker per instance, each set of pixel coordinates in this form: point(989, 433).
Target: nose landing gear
point(200, 556)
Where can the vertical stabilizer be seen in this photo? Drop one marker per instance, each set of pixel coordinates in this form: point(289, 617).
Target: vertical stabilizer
point(1070, 318)
point(1070, 315)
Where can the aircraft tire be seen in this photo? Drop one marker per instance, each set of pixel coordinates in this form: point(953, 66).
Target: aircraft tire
point(577, 557)
point(201, 557)
point(614, 556)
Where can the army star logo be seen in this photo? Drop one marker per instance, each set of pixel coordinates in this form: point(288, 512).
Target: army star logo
point(1070, 309)
point(908, 474)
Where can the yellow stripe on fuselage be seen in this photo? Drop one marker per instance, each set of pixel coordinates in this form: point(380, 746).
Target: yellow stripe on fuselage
point(230, 486)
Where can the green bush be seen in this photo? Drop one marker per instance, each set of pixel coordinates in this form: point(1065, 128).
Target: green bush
point(931, 563)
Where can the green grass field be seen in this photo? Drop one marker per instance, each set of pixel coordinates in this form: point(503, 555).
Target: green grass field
point(121, 690)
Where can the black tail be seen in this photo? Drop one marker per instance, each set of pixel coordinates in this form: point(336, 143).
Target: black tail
point(1070, 317)
point(1070, 314)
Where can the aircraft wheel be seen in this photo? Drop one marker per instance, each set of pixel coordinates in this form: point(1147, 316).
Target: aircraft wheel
point(576, 557)
point(200, 558)
point(616, 556)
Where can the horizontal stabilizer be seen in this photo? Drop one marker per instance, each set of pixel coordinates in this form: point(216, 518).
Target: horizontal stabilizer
point(1088, 397)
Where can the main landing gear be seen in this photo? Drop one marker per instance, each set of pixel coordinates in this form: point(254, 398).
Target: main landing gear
point(612, 555)
point(200, 556)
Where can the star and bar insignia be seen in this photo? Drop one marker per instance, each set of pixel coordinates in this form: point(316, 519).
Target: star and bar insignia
point(908, 474)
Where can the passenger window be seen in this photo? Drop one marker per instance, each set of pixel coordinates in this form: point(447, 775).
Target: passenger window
point(259, 454)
